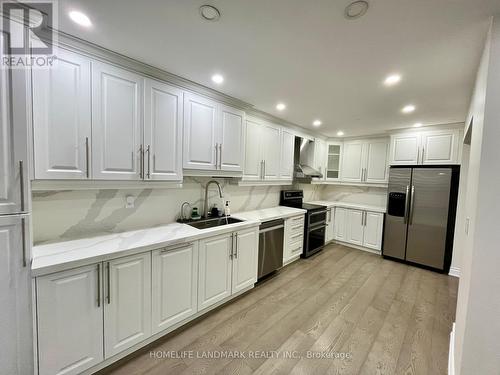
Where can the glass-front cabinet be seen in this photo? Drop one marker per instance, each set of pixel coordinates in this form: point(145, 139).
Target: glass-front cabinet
point(333, 161)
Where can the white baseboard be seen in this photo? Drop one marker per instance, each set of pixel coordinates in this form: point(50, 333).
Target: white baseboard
point(454, 271)
point(451, 355)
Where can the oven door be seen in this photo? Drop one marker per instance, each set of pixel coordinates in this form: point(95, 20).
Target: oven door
point(317, 218)
point(315, 239)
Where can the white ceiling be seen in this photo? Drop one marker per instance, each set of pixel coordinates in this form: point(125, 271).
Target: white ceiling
point(306, 54)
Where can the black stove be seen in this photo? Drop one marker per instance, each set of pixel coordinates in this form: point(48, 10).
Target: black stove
point(315, 223)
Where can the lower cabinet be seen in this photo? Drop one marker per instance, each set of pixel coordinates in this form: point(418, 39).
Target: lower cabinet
point(293, 243)
point(358, 227)
point(330, 227)
point(174, 285)
point(245, 260)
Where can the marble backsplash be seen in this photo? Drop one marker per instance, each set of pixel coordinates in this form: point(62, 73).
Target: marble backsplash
point(372, 196)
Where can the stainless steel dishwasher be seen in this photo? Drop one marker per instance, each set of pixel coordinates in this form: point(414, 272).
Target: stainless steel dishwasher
point(271, 236)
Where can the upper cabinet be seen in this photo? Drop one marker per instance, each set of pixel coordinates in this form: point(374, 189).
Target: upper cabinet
point(162, 131)
point(287, 156)
point(320, 150)
point(213, 135)
point(333, 161)
point(426, 147)
point(365, 161)
point(62, 118)
point(116, 123)
point(271, 151)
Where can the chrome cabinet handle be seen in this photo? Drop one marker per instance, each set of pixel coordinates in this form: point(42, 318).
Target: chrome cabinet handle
point(264, 175)
point(23, 238)
point(149, 161)
point(231, 253)
point(98, 284)
point(412, 203)
point(220, 155)
point(407, 198)
point(216, 155)
point(236, 247)
point(423, 154)
point(21, 182)
point(262, 169)
point(109, 284)
point(87, 173)
point(418, 155)
point(141, 166)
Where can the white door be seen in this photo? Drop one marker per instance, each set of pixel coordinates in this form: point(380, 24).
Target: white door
point(330, 225)
point(214, 270)
point(354, 227)
point(127, 306)
point(162, 131)
point(16, 340)
point(340, 224)
point(352, 161)
point(70, 320)
point(440, 147)
point(116, 123)
point(62, 118)
point(13, 163)
point(320, 156)
point(271, 151)
point(175, 285)
point(373, 230)
point(231, 140)
point(376, 161)
point(200, 133)
point(405, 149)
point(287, 157)
point(253, 151)
point(246, 247)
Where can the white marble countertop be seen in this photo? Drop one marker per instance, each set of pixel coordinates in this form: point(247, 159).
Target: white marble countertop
point(54, 257)
point(359, 206)
point(266, 214)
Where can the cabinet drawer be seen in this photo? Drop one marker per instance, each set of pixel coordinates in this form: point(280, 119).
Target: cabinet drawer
point(296, 229)
point(296, 237)
point(296, 247)
point(295, 221)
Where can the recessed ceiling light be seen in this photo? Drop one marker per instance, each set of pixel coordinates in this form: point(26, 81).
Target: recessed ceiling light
point(217, 78)
point(80, 18)
point(392, 80)
point(281, 106)
point(209, 13)
point(408, 108)
point(340, 133)
point(417, 125)
point(356, 9)
point(317, 122)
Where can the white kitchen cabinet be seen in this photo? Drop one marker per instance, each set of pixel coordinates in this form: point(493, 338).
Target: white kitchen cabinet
point(354, 227)
point(373, 230)
point(293, 243)
point(70, 320)
point(253, 153)
point(174, 285)
point(214, 270)
point(162, 131)
point(405, 149)
point(127, 306)
point(340, 223)
point(62, 118)
point(231, 136)
point(365, 161)
point(117, 103)
point(320, 153)
point(333, 161)
point(330, 227)
point(246, 245)
point(287, 155)
point(271, 152)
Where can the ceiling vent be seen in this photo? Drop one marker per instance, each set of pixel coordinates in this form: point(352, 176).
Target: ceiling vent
point(356, 9)
point(209, 13)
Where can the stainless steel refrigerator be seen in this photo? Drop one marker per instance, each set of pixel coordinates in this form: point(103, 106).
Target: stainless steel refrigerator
point(420, 219)
point(16, 318)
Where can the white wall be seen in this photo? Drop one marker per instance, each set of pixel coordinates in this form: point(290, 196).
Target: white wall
point(477, 344)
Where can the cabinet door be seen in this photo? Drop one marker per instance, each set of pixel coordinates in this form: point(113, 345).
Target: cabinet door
point(333, 162)
point(253, 154)
point(373, 230)
point(330, 225)
point(174, 287)
point(440, 147)
point(16, 342)
point(245, 259)
point(352, 161)
point(405, 149)
point(116, 123)
point(13, 141)
point(163, 131)
point(62, 118)
point(287, 157)
point(354, 227)
point(127, 310)
point(231, 139)
point(214, 270)
point(200, 132)
point(271, 151)
point(69, 320)
point(320, 156)
point(376, 161)
point(340, 224)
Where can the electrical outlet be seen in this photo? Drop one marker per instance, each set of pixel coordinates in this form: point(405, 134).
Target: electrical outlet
point(129, 201)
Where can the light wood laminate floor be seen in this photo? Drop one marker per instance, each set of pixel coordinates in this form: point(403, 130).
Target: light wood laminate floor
point(387, 317)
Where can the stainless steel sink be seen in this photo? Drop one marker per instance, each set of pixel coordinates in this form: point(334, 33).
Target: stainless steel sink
point(211, 223)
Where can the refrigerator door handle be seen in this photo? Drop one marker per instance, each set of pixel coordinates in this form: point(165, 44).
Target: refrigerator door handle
point(412, 203)
point(407, 198)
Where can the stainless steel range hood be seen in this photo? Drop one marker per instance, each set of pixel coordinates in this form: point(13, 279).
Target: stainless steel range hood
point(303, 158)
